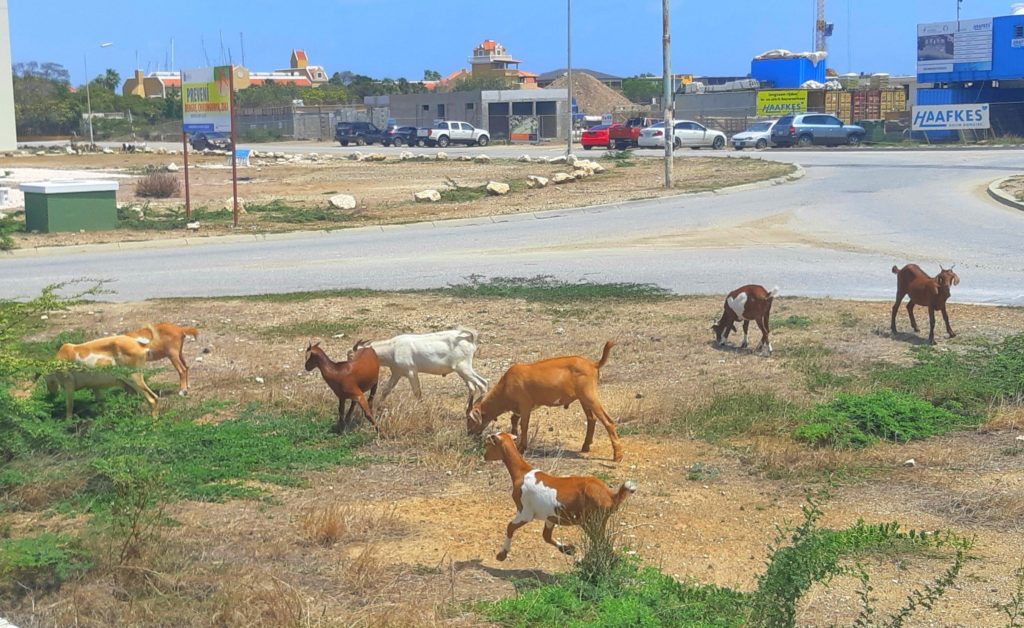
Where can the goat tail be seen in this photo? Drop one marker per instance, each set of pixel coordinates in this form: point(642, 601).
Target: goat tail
point(604, 354)
point(628, 488)
point(191, 332)
point(774, 293)
point(472, 333)
point(895, 269)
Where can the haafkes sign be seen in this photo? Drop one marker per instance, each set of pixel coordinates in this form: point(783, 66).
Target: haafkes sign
point(781, 102)
point(206, 100)
point(950, 117)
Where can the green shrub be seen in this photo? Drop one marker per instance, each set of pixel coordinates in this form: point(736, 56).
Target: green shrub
point(9, 225)
point(734, 414)
point(37, 564)
point(795, 321)
point(859, 420)
point(545, 288)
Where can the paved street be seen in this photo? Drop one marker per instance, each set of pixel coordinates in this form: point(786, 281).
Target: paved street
point(836, 232)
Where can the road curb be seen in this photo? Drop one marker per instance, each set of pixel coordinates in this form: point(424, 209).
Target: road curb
point(167, 243)
point(1003, 197)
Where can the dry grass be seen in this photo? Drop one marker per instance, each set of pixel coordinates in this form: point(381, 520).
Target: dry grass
point(328, 524)
point(998, 507)
point(158, 185)
point(261, 599)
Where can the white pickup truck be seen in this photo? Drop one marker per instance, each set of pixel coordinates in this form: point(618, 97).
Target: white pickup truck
point(445, 132)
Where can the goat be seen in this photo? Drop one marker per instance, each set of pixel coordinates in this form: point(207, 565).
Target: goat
point(437, 353)
point(70, 381)
point(551, 382)
point(348, 379)
point(573, 500)
point(749, 303)
point(165, 340)
point(111, 351)
point(924, 290)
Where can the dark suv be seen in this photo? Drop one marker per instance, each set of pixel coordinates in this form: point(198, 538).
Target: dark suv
point(806, 129)
point(358, 133)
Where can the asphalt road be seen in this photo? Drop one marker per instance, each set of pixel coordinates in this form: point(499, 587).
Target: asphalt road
point(835, 233)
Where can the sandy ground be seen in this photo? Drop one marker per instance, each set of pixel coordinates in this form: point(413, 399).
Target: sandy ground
point(1014, 186)
point(427, 521)
point(383, 190)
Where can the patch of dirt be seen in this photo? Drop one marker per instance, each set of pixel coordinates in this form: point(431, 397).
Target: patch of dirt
point(1015, 187)
point(383, 190)
point(592, 96)
point(450, 508)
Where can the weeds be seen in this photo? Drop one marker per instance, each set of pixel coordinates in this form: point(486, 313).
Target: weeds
point(545, 288)
point(9, 225)
point(735, 414)
point(1014, 607)
point(36, 564)
point(794, 321)
point(136, 508)
point(158, 185)
point(463, 194)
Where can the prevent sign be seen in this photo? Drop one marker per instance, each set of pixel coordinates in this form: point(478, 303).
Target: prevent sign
point(951, 117)
point(780, 102)
point(206, 100)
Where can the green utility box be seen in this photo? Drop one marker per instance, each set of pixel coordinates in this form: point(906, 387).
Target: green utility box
point(70, 205)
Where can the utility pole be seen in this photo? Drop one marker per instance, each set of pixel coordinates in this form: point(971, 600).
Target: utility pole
point(568, 72)
point(668, 93)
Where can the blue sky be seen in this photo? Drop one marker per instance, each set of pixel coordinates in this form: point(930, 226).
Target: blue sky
point(393, 38)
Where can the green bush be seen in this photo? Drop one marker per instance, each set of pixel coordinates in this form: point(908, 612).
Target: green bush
point(35, 564)
point(858, 420)
point(734, 414)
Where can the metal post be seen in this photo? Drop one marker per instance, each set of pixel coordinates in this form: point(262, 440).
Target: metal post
point(184, 154)
point(568, 72)
point(668, 93)
point(234, 149)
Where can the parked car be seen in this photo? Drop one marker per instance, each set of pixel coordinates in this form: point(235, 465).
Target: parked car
point(598, 136)
point(445, 132)
point(401, 136)
point(758, 135)
point(626, 135)
point(202, 142)
point(685, 133)
point(806, 129)
point(358, 133)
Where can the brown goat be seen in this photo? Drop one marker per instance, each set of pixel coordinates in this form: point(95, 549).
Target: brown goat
point(932, 292)
point(165, 340)
point(551, 382)
point(348, 379)
point(749, 303)
point(555, 500)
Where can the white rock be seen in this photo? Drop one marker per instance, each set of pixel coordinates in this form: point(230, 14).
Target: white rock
point(356, 156)
point(463, 158)
point(69, 150)
point(342, 201)
point(198, 358)
point(536, 181)
point(427, 196)
point(497, 188)
point(259, 380)
point(1020, 439)
point(376, 157)
point(482, 159)
point(561, 177)
point(571, 160)
point(192, 226)
point(172, 167)
point(406, 155)
point(526, 159)
point(441, 156)
point(910, 463)
point(40, 153)
point(107, 151)
point(557, 160)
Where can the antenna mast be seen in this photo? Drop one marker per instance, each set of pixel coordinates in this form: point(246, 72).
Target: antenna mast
point(822, 29)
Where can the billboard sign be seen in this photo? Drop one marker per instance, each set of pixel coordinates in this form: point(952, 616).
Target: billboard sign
point(781, 102)
point(964, 46)
point(951, 117)
point(206, 101)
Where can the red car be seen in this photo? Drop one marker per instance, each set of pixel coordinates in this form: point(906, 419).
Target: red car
point(597, 136)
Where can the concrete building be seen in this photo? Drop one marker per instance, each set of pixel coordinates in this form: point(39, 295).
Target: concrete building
point(490, 60)
point(8, 128)
point(156, 85)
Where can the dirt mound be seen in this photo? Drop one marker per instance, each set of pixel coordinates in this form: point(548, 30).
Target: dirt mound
point(592, 96)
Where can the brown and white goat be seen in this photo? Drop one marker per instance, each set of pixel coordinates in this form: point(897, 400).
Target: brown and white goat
point(72, 380)
point(555, 500)
point(165, 340)
point(932, 292)
point(112, 351)
point(348, 379)
point(551, 382)
point(749, 303)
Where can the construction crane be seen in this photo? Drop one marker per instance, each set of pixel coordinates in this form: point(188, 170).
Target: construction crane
point(822, 28)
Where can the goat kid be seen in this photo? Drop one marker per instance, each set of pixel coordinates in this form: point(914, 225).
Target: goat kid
point(551, 382)
point(555, 500)
point(165, 340)
point(348, 379)
point(932, 292)
point(112, 351)
point(749, 303)
point(437, 353)
point(70, 381)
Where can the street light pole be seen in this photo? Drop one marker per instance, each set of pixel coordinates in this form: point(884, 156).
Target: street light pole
point(568, 62)
point(88, 96)
point(668, 93)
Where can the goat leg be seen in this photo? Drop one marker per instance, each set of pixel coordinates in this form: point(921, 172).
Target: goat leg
point(895, 310)
point(931, 325)
point(910, 313)
point(568, 549)
point(945, 317)
point(513, 525)
point(339, 425)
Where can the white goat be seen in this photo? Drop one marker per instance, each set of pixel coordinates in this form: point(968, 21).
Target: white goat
point(437, 353)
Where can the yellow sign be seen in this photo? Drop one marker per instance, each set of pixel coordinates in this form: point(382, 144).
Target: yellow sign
point(206, 100)
point(781, 102)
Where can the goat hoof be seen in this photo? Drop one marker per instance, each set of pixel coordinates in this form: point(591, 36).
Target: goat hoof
point(585, 449)
point(568, 550)
point(502, 556)
point(952, 335)
point(183, 393)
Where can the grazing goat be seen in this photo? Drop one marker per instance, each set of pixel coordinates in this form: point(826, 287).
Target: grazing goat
point(165, 340)
point(111, 351)
point(437, 353)
point(551, 382)
point(349, 379)
point(749, 303)
point(70, 381)
point(924, 290)
point(569, 501)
